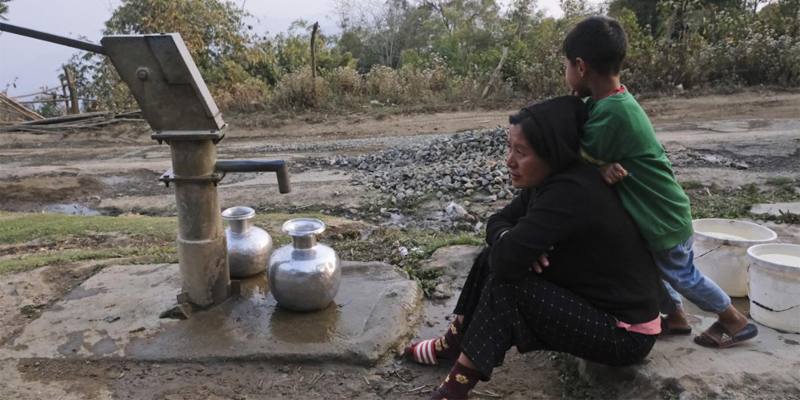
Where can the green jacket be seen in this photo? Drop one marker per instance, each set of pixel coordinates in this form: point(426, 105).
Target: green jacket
point(618, 130)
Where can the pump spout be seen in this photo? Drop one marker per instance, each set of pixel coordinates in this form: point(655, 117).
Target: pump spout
point(277, 166)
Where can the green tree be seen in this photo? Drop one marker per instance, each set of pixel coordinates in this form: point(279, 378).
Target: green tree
point(215, 34)
point(520, 17)
point(783, 16)
point(48, 108)
point(576, 8)
point(213, 30)
point(646, 11)
point(471, 39)
point(96, 79)
point(379, 32)
point(272, 57)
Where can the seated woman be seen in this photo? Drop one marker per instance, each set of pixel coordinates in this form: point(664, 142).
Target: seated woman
point(597, 297)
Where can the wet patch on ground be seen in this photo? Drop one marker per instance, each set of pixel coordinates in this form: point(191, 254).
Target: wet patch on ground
point(735, 159)
point(76, 193)
point(24, 194)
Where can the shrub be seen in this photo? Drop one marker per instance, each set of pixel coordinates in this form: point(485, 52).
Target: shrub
point(239, 91)
point(245, 96)
point(300, 90)
point(463, 89)
point(345, 81)
point(384, 84)
point(416, 84)
point(438, 77)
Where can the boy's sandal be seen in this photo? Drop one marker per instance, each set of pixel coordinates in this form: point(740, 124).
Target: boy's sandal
point(717, 336)
point(667, 330)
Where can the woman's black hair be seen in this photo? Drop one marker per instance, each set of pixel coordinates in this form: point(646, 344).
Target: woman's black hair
point(553, 129)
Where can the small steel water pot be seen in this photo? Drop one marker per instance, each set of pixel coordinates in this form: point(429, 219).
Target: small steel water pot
point(304, 275)
point(249, 247)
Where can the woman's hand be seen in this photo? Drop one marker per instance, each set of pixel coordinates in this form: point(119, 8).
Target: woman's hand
point(613, 173)
point(543, 262)
point(540, 264)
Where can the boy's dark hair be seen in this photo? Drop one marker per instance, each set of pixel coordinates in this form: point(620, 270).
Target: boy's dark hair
point(600, 42)
point(553, 129)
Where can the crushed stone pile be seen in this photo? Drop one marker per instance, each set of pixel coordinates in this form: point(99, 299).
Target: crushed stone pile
point(469, 164)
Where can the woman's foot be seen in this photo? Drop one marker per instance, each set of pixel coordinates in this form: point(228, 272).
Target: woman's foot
point(448, 346)
point(458, 383)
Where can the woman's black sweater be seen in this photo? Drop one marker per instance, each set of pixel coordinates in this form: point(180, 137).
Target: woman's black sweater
point(593, 246)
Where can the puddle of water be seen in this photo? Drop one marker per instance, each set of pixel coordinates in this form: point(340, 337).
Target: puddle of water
point(316, 327)
point(106, 345)
point(80, 293)
point(71, 209)
point(73, 344)
point(254, 288)
point(289, 326)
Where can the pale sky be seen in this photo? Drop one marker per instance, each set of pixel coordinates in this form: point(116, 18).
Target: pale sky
point(30, 64)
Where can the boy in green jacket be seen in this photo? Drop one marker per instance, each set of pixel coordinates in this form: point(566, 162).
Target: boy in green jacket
point(620, 140)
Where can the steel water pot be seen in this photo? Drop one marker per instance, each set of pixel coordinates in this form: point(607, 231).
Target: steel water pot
point(249, 247)
point(304, 275)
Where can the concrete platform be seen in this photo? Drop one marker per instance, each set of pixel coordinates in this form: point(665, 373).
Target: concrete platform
point(115, 315)
point(776, 209)
point(765, 367)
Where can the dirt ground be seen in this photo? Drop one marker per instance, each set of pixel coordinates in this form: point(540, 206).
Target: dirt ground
point(115, 170)
point(729, 140)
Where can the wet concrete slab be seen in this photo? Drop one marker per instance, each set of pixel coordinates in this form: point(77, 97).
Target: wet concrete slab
point(765, 367)
point(776, 209)
point(115, 315)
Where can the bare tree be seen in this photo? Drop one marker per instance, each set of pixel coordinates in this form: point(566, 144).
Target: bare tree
point(438, 6)
point(384, 20)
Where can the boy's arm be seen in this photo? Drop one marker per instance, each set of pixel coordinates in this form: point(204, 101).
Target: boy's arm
point(613, 173)
point(603, 145)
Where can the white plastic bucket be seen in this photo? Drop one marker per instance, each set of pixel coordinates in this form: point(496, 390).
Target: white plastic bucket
point(775, 285)
point(720, 250)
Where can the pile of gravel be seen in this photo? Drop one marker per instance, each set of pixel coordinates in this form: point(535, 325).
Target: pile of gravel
point(469, 164)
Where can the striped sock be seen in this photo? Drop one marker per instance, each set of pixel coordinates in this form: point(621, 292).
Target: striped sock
point(428, 352)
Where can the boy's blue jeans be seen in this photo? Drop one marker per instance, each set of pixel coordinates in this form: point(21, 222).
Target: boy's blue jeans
point(681, 276)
